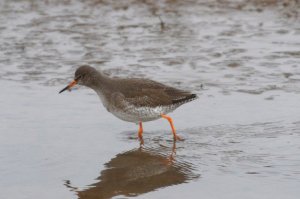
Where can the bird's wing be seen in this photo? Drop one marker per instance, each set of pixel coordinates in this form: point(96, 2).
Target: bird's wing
point(147, 98)
point(144, 92)
point(153, 97)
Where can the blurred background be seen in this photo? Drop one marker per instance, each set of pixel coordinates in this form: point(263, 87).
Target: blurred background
point(242, 135)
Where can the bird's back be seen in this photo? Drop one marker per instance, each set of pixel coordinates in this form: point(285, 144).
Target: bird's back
point(145, 92)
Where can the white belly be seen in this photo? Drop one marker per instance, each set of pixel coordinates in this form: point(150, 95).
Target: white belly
point(141, 114)
point(135, 114)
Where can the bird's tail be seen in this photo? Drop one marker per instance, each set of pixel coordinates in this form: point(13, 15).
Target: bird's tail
point(185, 99)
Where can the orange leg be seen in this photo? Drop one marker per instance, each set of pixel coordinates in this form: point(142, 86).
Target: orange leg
point(140, 132)
point(176, 137)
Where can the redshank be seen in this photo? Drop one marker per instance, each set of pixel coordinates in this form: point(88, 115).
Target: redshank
point(133, 99)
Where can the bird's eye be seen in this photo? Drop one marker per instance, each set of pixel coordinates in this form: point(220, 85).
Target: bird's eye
point(78, 77)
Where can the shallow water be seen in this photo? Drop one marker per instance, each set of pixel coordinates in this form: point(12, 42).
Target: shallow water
point(242, 135)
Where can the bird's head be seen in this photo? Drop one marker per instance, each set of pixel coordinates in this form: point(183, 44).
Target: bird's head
point(84, 75)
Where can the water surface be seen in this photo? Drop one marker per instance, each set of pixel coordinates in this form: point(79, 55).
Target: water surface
point(242, 135)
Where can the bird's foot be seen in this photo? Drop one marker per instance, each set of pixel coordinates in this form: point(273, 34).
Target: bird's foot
point(178, 138)
point(141, 140)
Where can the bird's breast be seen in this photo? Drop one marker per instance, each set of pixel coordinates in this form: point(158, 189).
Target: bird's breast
point(103, 99)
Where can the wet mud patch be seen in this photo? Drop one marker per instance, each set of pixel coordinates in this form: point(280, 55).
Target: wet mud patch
point(222, 37)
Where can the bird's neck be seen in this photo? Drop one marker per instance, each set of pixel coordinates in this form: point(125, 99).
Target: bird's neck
point(102, 85)
point(101, 82)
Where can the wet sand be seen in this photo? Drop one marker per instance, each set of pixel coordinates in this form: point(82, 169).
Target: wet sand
point(242, 135)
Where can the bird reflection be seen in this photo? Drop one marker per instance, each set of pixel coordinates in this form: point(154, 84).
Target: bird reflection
point(136, 172)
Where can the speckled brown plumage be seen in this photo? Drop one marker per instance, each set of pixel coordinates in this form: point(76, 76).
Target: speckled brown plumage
point(133, 99)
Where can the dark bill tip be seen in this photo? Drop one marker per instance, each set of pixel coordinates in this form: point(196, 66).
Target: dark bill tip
point(66, 88)
point(73, 83)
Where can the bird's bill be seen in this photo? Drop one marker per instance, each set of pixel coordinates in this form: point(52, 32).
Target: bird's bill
point(73, 83)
